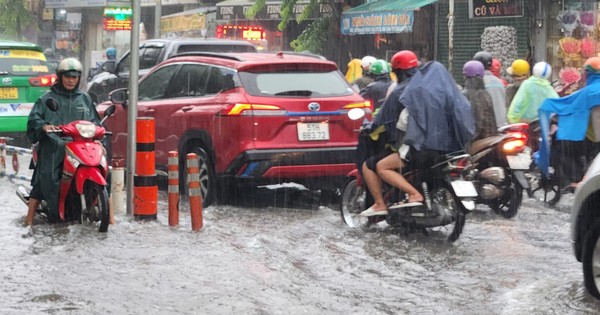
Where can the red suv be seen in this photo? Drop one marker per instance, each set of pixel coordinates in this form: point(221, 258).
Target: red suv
point(253, 118)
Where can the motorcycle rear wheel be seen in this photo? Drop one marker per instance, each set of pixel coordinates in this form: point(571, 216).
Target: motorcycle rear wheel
point(443, 197)
point(509, 204)
point(353, 203)
point(96, 199)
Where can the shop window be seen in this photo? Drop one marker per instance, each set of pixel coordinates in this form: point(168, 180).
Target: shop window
point(572, 38)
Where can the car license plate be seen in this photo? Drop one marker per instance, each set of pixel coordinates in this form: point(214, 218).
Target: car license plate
point(519, 161)
point(9, 93)
point(313, 131)
point(463, 188)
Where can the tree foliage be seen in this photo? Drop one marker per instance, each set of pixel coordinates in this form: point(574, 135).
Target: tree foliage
point(14, 17)
point(314, 37)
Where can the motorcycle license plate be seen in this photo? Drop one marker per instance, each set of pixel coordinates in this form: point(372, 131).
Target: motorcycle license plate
point(313, 131)
point(519, 161)
point(463, 188)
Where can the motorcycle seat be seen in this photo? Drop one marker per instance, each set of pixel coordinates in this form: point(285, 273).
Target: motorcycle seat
point(481, 144)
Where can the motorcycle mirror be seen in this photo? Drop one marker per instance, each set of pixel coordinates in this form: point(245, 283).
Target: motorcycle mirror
point(119, 96)
point(356, 113)
point(52, 104)
point(110, 110)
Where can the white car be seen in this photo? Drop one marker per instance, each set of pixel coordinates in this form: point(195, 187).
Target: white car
point(585, 227)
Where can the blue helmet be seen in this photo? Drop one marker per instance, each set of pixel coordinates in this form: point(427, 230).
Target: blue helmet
point(111, 52)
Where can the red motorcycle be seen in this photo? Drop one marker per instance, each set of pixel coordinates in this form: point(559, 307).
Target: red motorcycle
point(83, 192)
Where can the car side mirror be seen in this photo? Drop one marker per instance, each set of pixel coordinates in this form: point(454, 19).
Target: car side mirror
point(109, 66)
point(119, 96)
point(52, 104)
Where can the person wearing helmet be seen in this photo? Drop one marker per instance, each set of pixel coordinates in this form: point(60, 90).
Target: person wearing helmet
point(383, 131)
point(480, 99)
point(496, 68)
point(494, 86)
point(366, 77)
point(533, 91)
point(74, 104)
point(111, 53)
point(376, 90)
point(572, 139)
point(519, 71)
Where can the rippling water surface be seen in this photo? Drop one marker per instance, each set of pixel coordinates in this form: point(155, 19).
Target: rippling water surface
point(295, 258)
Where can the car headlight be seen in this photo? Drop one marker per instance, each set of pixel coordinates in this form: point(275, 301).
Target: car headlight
point(86, 130)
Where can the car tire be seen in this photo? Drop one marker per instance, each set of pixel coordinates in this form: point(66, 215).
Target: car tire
point(591, 259)
point(207, 176)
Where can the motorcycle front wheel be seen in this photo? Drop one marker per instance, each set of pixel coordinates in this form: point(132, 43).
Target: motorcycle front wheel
point(591, 259)
point(353, 203)
point(443, 200)
point(97, 209)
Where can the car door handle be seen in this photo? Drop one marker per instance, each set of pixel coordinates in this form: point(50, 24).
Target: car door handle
point(149, 112)
point(187, 108)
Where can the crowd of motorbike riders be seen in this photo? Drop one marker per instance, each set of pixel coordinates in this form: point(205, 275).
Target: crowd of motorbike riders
point(406, 132)
point(405, 135)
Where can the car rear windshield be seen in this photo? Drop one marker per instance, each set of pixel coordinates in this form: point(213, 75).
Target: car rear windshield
point(295, 83)
point(22, 63)
point(216, 48)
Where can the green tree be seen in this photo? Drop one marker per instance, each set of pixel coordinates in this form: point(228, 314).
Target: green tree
point(314, 37)
point(14, 17)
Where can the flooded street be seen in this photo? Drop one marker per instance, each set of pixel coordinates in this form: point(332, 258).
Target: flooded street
point(296, 257)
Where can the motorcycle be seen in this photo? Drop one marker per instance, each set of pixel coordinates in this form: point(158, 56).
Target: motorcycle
point(500, 163)
point(448, 197)
point(82, 193)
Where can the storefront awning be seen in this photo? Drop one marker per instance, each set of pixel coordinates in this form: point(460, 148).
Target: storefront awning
point(192, 20)
point(382, 16)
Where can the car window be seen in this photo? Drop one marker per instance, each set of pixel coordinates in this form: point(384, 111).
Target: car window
point(124, 64)
point(295, 83)
point(190, 81)
point(216, 48)
point(154, 86)
point(22, 62)
point(149, 57)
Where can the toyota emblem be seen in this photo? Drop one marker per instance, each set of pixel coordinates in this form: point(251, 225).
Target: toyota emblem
point(8, 81)
point(314, 107)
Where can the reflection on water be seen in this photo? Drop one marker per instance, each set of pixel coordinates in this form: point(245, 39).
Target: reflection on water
point(292, 257)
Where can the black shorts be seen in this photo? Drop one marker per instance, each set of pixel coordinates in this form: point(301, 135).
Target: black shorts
point(373, 160)
point(424, 158)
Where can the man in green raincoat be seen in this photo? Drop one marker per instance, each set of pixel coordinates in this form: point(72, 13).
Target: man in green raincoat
point(533, 91)
point(73, 104)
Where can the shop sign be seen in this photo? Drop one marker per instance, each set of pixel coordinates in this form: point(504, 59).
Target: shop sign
point(495, 8)
point(378, 22)
point(117, 19)
point(149, 3)
point(271, 11)
point(182, 23)
point(57, 4)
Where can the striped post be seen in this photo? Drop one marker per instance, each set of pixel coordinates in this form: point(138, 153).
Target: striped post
point(145, 183)
point(118, 186)
point(2, 156)
point(173, 188)
point(194, 191)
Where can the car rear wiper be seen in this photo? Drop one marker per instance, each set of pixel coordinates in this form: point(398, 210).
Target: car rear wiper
point(296, 93)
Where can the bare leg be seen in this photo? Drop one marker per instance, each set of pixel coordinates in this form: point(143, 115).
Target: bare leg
point(388, 169)
point(374, 184)
point(31, 208)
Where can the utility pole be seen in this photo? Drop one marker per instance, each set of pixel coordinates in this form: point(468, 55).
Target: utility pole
point(450, 35)
point(157, 16)
point(132, 103)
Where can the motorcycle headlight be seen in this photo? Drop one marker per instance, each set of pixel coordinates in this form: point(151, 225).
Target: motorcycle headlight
point(86, 130)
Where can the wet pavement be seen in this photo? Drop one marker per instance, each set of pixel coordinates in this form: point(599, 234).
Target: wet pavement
point(287, 253)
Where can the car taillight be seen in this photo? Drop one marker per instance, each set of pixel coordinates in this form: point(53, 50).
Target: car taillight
point(44, 80)
point(365, 104)
point(517, 143)
point(252, 109)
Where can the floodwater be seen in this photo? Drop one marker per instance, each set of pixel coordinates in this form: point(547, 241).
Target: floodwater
point(288, 254)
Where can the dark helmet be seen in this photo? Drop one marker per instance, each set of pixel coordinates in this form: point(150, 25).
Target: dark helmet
point(473, 68)
point(485, 58)
point(404, 60)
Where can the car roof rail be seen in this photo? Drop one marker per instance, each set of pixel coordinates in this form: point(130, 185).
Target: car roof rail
point(300, 53)
point(207, 54)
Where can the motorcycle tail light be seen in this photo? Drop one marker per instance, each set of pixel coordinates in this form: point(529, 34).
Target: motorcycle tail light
point(517, 143)
point(45, 80)
point(86, 130)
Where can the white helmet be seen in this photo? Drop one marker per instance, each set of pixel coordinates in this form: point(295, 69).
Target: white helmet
point(542, 70)
point(366, 61)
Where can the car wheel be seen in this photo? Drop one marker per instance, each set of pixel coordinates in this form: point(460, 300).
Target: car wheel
point(207, 176)
point(591, 259)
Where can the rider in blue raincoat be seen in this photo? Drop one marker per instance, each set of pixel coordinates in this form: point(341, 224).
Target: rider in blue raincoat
point(573, 112)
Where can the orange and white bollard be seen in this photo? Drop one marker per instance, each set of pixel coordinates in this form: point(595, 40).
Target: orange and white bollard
point(173, 189)
point(145, 183)
point(117, 186)
point(194, 191)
